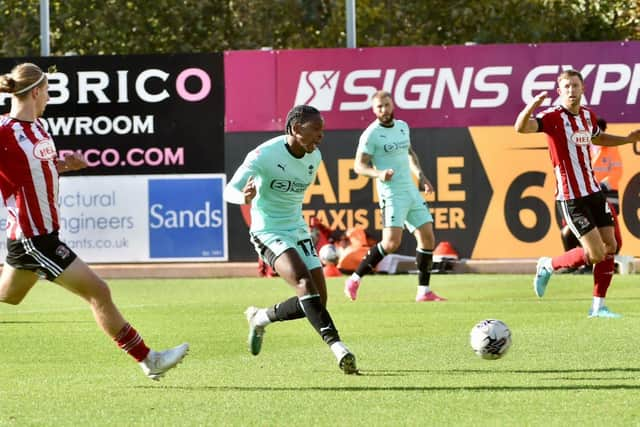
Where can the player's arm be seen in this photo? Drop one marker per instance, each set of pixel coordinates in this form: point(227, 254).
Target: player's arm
point(525, 123)
point(241, 189)
point(609, 140)
point(71, 162)
point(414, 163)
point(362, 166)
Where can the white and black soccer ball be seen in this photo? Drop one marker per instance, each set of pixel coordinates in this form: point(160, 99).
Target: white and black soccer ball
point(490, 339)
point(329, 254)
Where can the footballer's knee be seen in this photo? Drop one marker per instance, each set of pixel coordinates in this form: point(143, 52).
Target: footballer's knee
point(99, 294)
point(305, 286)
point(390, 246)
point(596, 257)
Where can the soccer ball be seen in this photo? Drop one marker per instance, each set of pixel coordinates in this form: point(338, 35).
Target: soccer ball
point(490, 339)
point(328, 254)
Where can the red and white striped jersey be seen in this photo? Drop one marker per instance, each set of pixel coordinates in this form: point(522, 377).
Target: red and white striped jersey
point(569, 138)
point(28, 178)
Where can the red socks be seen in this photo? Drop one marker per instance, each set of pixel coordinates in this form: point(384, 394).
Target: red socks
point(130, 341)
point(602, 275)
point(571, 259)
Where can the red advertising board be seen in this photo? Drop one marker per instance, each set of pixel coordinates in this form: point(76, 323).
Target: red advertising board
point(494, 187)
point(448, 86)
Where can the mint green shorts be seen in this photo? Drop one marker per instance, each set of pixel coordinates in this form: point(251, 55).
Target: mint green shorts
point(271, 244)
point(410, 211)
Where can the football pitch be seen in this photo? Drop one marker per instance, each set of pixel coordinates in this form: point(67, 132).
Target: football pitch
point(417, 367)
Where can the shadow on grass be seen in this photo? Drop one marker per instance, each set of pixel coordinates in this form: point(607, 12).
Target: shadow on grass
point(524, 388)
point(462, 388)
point(397, 372)
point(27, 322)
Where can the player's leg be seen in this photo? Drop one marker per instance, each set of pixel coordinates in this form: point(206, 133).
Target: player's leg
point(603, 271)
point(419, 222)
point(293, 256)
point(579, 218)
point(289, 309)
point(294, 271)
point(19, 273)
point(310, 289)
point(82, 281)
point(270, 246)
point(394, 213)
point(569, 240)
point(15, 284)
point(424, 261)
point(391, 239)
point(602, 275)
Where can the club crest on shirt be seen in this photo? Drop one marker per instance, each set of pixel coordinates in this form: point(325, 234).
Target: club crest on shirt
point(44, 150)
point(62, 251)
point(581, 137)
point(582, 222)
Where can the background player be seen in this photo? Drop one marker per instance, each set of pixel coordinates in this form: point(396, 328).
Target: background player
point(400, 201)
point(571, 129)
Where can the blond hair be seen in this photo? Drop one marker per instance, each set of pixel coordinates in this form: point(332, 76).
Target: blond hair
point(381, 94)
point(566, 74)
point(22, 79)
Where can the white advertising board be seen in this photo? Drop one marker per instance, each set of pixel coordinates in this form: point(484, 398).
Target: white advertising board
point(142, 218)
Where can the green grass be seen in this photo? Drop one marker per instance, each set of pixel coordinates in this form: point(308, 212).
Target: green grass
point(58, 369)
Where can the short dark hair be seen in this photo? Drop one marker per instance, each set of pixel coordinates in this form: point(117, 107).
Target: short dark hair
point(299, 114)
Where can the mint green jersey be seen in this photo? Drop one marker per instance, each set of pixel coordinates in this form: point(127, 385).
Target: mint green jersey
point(389, 149)
point(281, 181)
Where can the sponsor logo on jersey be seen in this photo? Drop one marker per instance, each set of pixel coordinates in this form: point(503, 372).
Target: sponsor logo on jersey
point(581, 137)
point(44, 150)
point(395, 146)
point(284, 186)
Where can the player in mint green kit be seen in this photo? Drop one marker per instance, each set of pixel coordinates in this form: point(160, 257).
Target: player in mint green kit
point(385, 154)
point(273, 178)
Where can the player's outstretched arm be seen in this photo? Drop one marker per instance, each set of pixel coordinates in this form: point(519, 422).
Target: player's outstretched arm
point(609, 140)
point(71, 162)
point(524, 122)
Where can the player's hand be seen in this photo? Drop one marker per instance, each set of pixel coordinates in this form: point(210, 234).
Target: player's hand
point(634, 136)
point(427, 186)
point(539, 99)
point(249, 190)
point(73, 162)
point(386, 175)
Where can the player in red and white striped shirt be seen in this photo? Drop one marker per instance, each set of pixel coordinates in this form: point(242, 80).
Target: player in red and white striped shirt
point(29, 170)
point(571, 129)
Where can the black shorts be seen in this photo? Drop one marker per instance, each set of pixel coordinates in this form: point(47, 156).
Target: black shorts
point(45, 255)
point(586, 213)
